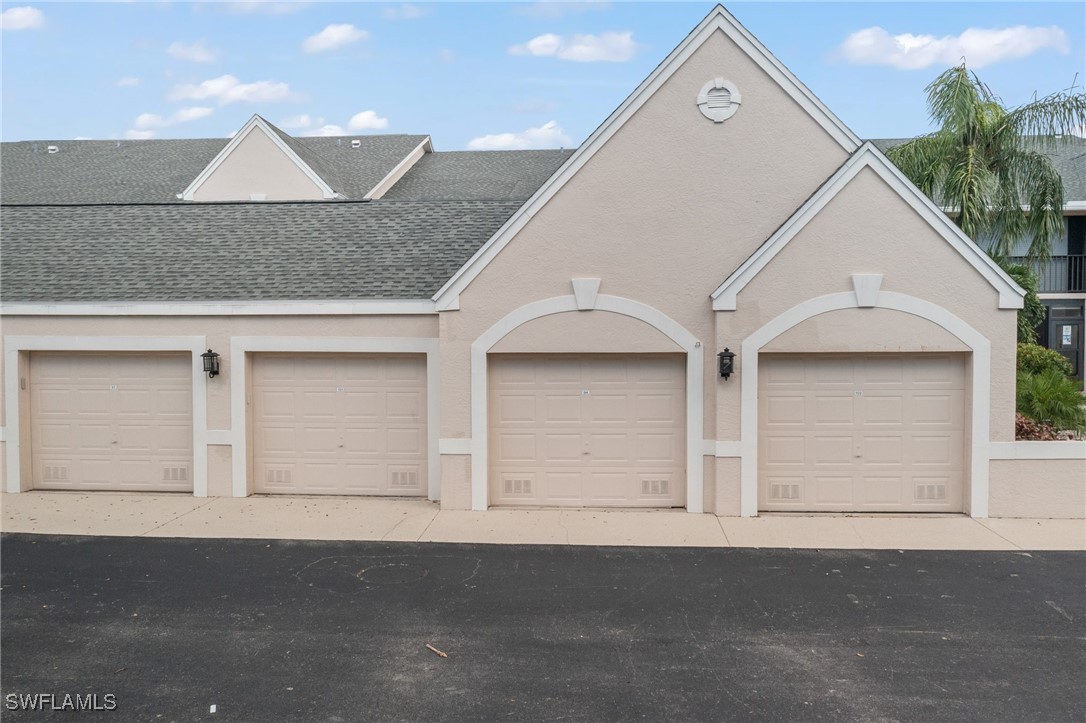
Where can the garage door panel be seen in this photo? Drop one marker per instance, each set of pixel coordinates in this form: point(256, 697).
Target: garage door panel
point(599, 424)
point(828, 489)
point(111, 420)
point(561, 409)
point(781, 450)
point(339, 424)
point(406, 442)
point(609, 407)
point(898, 419)
point(828, 450)
point(785, 410)
point(829, 410)
point(563, 448)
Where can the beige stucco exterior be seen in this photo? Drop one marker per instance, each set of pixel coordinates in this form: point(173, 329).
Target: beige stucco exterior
point(661, 213)
point(257, 165)
point(1048, 488)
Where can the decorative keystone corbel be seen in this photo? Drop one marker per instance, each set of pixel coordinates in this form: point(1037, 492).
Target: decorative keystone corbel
point(585, 292)
point(867, 289)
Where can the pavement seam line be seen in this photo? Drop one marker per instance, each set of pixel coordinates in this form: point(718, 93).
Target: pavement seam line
point(720, 524)
point(986, 527)
point(175, 519)
point(428, 526)
point(409, 516)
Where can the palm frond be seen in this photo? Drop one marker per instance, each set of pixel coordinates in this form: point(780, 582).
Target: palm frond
point(922, 160)
point(1058, 114)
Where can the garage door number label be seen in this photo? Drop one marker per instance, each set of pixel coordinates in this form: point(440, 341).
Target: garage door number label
point(858, 393)
point(585, 392)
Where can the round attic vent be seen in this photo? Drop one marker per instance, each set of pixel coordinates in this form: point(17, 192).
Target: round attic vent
point(719, 100)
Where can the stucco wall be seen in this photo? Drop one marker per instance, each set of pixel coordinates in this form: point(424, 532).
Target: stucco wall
point(662, 213)
point(1038, 488)
point(257, 165)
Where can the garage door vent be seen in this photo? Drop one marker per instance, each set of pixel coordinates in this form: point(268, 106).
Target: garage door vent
point(784, 492)
point(655, 487)
point(403, 479)
point(518, 486)
point(55, 473)
point(931, 492)
point(279, 477)
point(175, 474)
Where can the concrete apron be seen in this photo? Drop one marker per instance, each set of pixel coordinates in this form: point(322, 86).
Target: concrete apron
point(413, 520)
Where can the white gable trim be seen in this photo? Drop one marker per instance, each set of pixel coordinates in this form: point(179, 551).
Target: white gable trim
point(399, 170)
point(254, 123)
point(447, 297)
point(219, 308)
point(1010, 294)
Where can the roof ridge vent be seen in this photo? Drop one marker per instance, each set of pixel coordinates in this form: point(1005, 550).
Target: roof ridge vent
point(356, 143)
point(51, 149)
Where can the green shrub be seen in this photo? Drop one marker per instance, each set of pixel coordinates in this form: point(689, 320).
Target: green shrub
point(1033, 313)
point(1051, 398)
point(1035, 359)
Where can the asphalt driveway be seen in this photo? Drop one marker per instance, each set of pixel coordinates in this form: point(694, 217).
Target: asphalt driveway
point(276, 630)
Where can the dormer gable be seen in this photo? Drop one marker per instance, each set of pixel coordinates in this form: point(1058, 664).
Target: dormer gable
point(262, 163)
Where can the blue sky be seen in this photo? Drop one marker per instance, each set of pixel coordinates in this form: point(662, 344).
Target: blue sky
point(484, 75)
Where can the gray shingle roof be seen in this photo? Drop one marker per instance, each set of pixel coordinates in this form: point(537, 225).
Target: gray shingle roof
point(1068, 155)
point(155, 171)
point(478, 175)
point(240, 251)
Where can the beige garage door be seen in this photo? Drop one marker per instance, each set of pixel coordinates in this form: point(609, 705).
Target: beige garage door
point(876, 433)
point(339, 424)
point(580, 431)
point(117, 421)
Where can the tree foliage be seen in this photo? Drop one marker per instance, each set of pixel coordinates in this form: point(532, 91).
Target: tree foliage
point(986, 161)
point(1033, 311)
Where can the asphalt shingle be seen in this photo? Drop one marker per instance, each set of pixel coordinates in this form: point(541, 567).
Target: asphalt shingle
point(240, 251)
point(478, 175)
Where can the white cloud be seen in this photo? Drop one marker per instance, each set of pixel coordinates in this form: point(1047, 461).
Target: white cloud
point(332, 37)
point(186, 115)
point(328, 130)
point(128, 82)
point(147, 121)
point(228, 89)
point(979, 46)
point(548, 135)
point(367, 120)
point(610, 47)
point(404, 12)
point(192, 52)
point(82, 138)
point(134, 135)
point(301, 121)
point(24, 18)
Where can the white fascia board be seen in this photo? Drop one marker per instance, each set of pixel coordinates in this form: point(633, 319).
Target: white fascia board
point(717, 19)
point(399, 170)
point(254, 123)
point(725, 297)
point(1075, 206)
point(224, 308)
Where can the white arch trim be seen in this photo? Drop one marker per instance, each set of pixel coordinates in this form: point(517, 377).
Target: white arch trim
point(981, 385)
point(695, 370)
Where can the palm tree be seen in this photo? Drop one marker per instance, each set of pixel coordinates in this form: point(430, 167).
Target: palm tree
point(986, 163)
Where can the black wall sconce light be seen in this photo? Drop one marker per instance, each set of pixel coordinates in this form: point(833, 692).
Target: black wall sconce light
point(726, 360)
point(211, 363)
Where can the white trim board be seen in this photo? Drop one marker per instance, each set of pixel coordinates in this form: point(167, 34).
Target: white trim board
point(1040, 450)
point(256, 122)
point(241, 346)
point(399, 170)
point(695, 382)
point(222, 308)
point(981, 386)
point(725, 297)
point(447, 297)
point(14, 345)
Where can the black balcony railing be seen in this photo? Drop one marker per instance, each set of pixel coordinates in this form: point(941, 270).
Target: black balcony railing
point(1058, 273)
